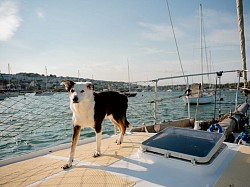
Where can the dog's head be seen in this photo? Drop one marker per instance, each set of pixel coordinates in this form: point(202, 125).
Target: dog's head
point(78, 90)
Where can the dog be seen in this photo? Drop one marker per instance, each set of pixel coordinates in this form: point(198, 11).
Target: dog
point(89, 109)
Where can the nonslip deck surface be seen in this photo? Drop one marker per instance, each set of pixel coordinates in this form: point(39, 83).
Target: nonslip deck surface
point(237, 173)
point(46, 170)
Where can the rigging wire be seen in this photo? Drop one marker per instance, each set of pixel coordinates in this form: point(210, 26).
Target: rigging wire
point(205, 48)
point(201, 43)
point(175, 41)
point(22, 115)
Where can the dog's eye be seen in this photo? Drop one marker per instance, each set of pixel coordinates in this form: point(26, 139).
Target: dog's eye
point(82, 91)
point(72, 90)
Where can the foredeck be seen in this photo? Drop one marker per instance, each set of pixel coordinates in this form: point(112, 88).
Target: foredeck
point(124, 165)
point(46, 170)
point(237, 172)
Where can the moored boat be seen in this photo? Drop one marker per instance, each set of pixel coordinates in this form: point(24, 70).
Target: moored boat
point(201, 98)
point(43, 93)
point(130, 94)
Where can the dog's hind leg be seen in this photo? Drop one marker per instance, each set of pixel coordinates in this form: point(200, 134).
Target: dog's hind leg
point(121, 135)
point(121, 128)
point(75, 137)
point(98, 144)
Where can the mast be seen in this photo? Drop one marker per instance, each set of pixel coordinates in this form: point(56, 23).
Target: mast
point(46, 77)
point(128, 76)
point(242, 39)
point(78, 74)
point(9, 75)
point(201, 31)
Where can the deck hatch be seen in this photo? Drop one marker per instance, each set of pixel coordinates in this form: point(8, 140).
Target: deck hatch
point(194, 145)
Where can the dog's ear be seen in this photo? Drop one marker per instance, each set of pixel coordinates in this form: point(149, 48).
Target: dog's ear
point(90, 85)
point(68, 84)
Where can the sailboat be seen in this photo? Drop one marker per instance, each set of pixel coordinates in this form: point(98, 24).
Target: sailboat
point(199, 95)
point(11, 92)
point(44, 92)
point(129, 93)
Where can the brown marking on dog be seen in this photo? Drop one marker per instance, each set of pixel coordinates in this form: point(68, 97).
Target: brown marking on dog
point(68, 85)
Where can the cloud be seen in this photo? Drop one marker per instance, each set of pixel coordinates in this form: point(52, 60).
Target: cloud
point(159, 32)
point(150, 50)
point(9, 19)
point(212, 18)
point(221, 28)
point(224, 37)
point(40, 14)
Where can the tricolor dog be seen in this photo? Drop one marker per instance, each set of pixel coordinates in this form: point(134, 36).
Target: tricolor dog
point(89, 109)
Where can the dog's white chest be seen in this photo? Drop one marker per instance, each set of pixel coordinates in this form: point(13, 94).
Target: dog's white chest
point(83, 114)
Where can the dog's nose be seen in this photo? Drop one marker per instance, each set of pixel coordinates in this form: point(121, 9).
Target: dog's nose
point(75, 99)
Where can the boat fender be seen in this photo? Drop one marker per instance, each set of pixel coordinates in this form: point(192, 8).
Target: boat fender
point(212, 128)
point(243, 138)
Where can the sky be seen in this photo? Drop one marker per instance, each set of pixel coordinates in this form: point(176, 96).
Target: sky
point(98, 39)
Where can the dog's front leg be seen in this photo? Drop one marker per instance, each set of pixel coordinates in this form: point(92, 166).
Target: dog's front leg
point(98, 144)
point(75, 137)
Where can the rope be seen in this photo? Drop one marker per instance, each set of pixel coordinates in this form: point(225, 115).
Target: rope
point(175, 41)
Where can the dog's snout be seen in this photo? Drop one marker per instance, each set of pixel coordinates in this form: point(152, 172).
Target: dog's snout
point(75, 99)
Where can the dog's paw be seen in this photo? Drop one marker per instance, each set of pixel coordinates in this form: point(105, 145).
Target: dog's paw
point(118, 142)
point(96, 154)
point(68, 165)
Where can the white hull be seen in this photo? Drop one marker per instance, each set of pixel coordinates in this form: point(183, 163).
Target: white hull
point(43, 93)
point(204, 99)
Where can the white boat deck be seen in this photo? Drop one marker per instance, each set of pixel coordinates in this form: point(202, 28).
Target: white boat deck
point(126, 165)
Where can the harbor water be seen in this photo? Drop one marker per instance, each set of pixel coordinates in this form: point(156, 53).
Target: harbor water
point(29, 123)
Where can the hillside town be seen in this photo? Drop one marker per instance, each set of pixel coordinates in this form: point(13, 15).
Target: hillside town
point(31, 82)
